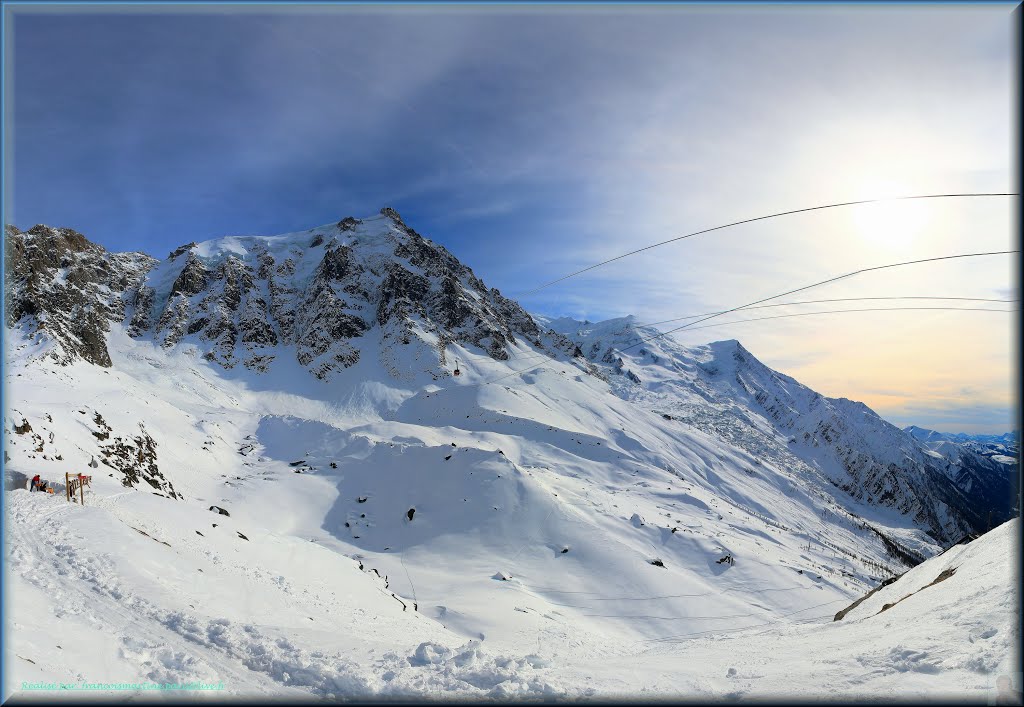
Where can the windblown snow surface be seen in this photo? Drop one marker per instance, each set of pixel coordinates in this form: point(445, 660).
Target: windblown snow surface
point(535, 528)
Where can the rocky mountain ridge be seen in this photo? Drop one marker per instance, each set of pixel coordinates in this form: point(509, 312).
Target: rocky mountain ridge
point(251, 299)
point(723, 389)
point(60, 285)
point(1002, 449)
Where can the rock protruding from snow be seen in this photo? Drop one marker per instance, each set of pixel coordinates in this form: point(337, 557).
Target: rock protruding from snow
point(67, 290)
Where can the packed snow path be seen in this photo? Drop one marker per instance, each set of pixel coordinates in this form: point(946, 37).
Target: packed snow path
point(126, 591)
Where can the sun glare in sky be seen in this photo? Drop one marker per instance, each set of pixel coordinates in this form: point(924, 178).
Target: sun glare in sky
point(535, 141)
point(890, 225)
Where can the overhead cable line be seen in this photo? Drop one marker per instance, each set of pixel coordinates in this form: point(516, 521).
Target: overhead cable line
point(715, 592)
point(819, 284)
point(867, 309)
point(758, 319)
point(774, 620)
point(762, 218)
point(753, 305)
point(841, 299)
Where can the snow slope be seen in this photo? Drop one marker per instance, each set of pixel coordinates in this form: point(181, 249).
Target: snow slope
point(138, 599)
point(723, 389)
point(541, 525)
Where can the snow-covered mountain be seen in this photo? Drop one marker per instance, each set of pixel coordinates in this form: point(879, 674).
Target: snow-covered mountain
point(1007, 438)
point(62, 286)
point(1004, 448)
point(249, 299)
point(722, 389)
point(394, 527)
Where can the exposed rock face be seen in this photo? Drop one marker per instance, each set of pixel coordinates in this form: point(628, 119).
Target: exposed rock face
point(67, 289)
point(875, 461)
point(134, 457)
point(348, 223)
point(862, 454)
point(724, 390)
point(253, 299)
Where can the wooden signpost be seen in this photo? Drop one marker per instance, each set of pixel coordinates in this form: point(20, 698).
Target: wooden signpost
point(77, 482)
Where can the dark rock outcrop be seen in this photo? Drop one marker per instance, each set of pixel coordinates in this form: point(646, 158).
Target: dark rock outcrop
point(63, 287)
point(243, 300)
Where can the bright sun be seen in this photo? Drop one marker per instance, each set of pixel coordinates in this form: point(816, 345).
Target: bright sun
point(890, 224)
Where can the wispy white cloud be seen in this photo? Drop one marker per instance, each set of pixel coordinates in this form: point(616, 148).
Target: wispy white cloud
point(533, 141)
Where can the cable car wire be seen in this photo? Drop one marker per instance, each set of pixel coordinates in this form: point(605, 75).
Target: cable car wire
point(780, 316)
point(819, 284)
point(781, 294)
point(762, 218)
point(867, 309)
point(751, 305)
point(841, 299)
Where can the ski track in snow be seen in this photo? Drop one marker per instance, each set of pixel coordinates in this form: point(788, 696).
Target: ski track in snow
point(171, 645)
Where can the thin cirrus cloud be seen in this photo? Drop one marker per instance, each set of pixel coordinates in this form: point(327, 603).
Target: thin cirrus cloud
point(574, 133)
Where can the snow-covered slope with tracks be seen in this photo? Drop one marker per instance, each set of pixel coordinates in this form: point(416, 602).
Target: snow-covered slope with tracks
point(540, 525)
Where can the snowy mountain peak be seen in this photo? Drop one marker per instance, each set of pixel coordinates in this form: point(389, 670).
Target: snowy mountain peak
point(723, 389)
point(727, 346)
point(1008, 438)
point(312, 295)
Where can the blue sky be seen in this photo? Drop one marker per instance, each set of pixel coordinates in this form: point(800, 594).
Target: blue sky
point(536, 140)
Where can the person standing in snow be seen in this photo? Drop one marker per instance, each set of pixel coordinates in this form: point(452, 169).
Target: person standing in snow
point(35, 483)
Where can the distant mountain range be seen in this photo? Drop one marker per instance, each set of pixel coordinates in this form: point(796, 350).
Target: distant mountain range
point(1008, 440)
point(961, 448)
point(722, 389)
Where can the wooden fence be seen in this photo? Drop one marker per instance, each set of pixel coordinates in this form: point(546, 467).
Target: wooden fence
point(76, 484)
